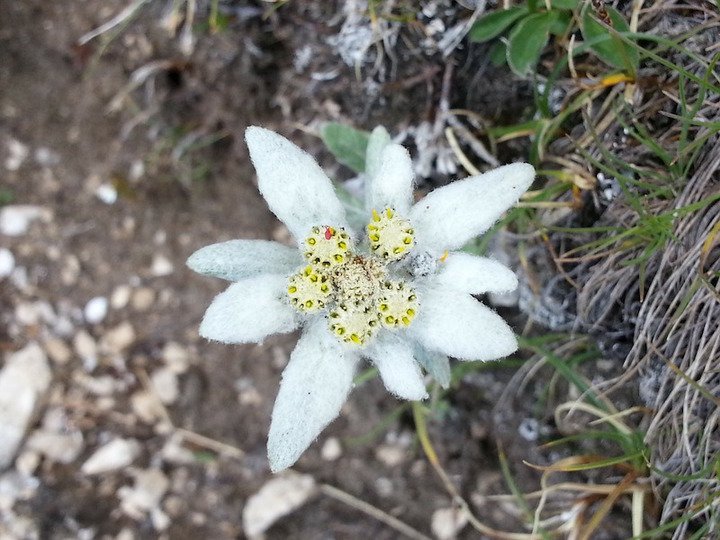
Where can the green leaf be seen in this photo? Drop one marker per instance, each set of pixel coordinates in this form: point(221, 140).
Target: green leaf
point(527, 41)
point(564, 4)
point(612, 50)
point(561, 23)
point(493, 24)
point(498, 53)
point(347, 144)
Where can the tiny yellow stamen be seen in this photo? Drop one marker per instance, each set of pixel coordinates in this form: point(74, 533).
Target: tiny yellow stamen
point(444, 256)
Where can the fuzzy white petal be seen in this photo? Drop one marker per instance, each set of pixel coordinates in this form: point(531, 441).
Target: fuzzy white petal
point(450, 216)
point(475, 275)
point(314, 386)
point(379, 139)
point(295, 187)
point(250, 310)
point(398, 369)
point(239, 259)
point(456, 324)
point(392, 185)
point(435, 363)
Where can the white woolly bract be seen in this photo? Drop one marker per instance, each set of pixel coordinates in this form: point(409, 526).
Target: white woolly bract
point(379, 139)
point(475, 275)
point(293, 184)
point(314, 386)
point(238, 259)
point(392, 186)
point(449, 217)
point(250, 310)
point(397, 366)
point(454, 323)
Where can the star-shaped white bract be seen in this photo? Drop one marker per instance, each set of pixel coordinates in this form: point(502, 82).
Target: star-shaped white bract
point(393, 292)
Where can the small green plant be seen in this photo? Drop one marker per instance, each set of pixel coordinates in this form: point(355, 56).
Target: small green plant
point(528, 28)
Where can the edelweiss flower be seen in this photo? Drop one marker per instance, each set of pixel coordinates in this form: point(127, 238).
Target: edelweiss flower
point(393, 292)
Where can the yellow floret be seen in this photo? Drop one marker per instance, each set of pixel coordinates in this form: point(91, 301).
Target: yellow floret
point(326, 247)
point(353, 324)
point(308, 290)
point(391, 236)
point(397, 305)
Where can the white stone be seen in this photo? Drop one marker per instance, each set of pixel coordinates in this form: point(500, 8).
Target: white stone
point(331, 450)
point(32, 313)
point(114, 455)
point(46, 157)
point(161, 266)
point(390, 455)
point(446, 523)
point(96, 310)
point(146, 406)
point(277, 498)
point(118, 339)
point(106, 193)
point(70, 270)
point(86, 348)
point(15, 219)
point(146, 493)
point(57, 350)
point(165, 384)
point(15, 486)
point(58, 447)
point(24, 379)
point(143, 299)
point(174, 452)
point(27, 462)
point(105, 385)
point(176, 357)
point(120, 296)
point(18, 153)
point(160, 519)
point(7, 263)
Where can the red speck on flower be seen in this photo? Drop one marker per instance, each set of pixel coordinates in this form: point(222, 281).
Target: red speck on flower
point(328, 233)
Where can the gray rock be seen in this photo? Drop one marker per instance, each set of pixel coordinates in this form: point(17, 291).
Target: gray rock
point(277, 498)
point(24, 379)
point(57, 447)
point(116, 454)
point(96, 310)
point(7, 263)
point(16, 219)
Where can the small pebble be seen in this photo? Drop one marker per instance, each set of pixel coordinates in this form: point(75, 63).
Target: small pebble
point(278, 497)
point(96, 310)
point(116, 454)
point(165, 384)
point(46, 157)
point(176, 357)
point(16, 219)
point(331, 450)
point(57, 350)
point(120, 296)
point(18, 154)
point(161, 266)
point(7, 263)
point(446, 523)
point(107, 193)
point(86, 348)
point(119, 338)
point(143, 298)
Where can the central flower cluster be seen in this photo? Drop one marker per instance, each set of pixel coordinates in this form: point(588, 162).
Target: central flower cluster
point(357, 290)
